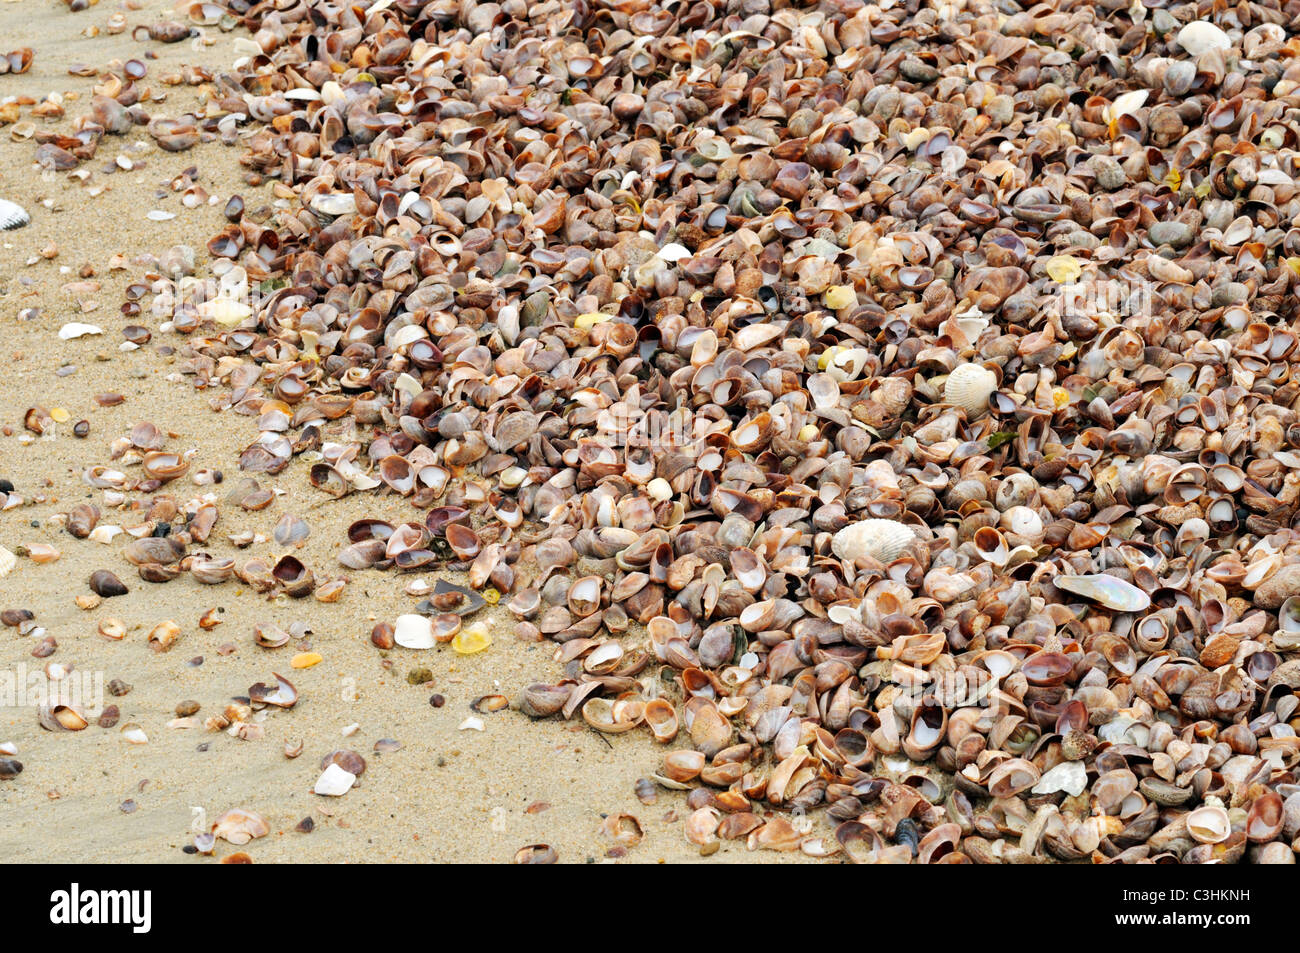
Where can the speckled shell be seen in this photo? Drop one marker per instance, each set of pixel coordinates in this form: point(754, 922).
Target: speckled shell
point(884, 540)
point(969, 387)
point(12, 216)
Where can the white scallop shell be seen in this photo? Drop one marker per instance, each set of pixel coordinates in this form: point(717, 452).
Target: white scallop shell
point(7, 561)
point(12, 216)
point(884, 540)
point(1202, 37)
point(969, 387)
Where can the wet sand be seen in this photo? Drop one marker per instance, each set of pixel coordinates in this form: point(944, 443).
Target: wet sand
point(448, 795)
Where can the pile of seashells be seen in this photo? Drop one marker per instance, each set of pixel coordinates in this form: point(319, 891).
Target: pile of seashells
point(892, 402)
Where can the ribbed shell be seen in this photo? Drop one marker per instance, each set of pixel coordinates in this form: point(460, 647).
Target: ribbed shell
point(883, 540)
point(969, 387)
point(12, 216)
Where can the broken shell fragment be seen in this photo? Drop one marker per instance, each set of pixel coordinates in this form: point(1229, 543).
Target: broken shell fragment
point(239, 826)
point(280, 695)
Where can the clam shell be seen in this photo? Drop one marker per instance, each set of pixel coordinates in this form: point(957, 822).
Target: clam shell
point(1202, 37)
point(883, 540)
point(969, 387)
point(1109, 591)
point(12, 216)
point(413, 632)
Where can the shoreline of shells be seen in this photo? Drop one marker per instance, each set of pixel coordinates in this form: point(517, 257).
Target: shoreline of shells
point(725, 347)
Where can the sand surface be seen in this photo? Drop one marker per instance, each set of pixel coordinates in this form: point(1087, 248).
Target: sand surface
point(448, 795)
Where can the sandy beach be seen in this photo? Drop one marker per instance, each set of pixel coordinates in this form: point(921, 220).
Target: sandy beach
point(90, 796)
point(892, 409)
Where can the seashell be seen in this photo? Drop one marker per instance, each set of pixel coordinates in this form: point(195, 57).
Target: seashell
point(882, 540)
point(334, 781)
point(1109, 591)
point(605, 715)
point(77, 329)
point(414, 632)
point(58, 714)
point(542, 701)
point(162, 466)
point(471, 641)
point(1208, 824)
point(211, 571)
point(969, 386)
point(82, 520)
point(295, 578)
point(282, 695)
point(536, 854)
point(661, 717)
point(334, 204)
point(1201, 36)
point(239, 826)
point(1068, 776)
point(12, 216)
point(270, 636)
point(164, 635)
point(683, 766)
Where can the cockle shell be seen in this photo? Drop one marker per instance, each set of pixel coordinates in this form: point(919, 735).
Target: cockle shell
point(1110, 591)
point(12, 216)
point(7, 561)
point(1202, 37)
point(969, 387)
point(884, 540)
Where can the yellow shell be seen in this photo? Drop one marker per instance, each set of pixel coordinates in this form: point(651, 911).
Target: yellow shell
point(883, 540)
point(471, 640)
point(839, 296)
point(1064, 269)
point(969, 387)
point(305, 659)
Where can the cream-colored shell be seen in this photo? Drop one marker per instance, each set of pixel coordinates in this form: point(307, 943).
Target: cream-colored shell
point(884, 540)
point(7, 561)
point(1202, 37)
point(969, 387)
